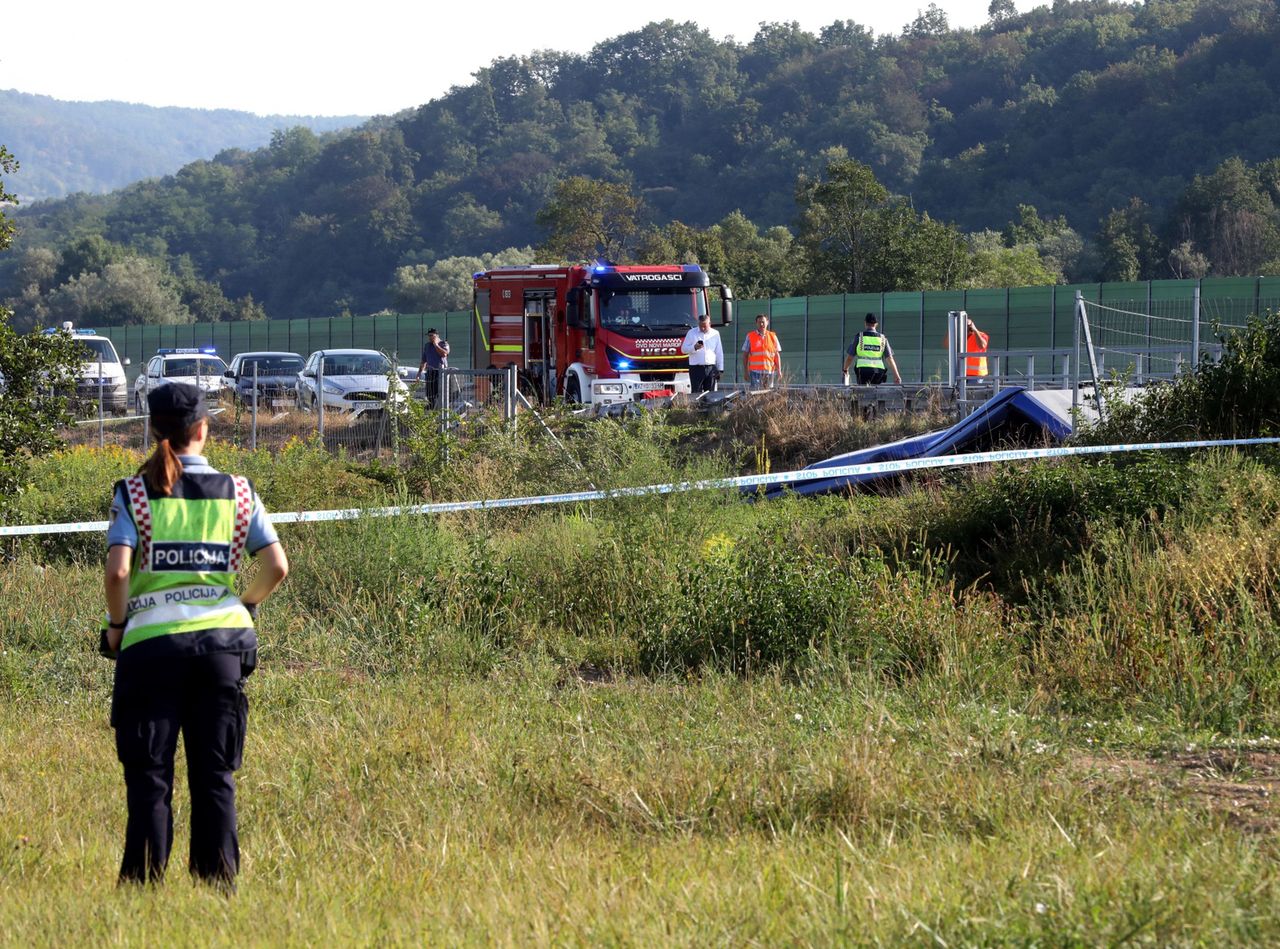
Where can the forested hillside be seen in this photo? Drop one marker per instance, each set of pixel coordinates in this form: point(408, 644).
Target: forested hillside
point(99, 146)
point(1082, 140)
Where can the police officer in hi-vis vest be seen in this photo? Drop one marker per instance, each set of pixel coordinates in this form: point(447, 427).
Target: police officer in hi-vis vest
point(868, 355)
point(184, 643)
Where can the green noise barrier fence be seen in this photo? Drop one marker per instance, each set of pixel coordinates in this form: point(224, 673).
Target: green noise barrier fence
point(814, 331)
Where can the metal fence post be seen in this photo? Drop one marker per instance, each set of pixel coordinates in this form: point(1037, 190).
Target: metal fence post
point(394, 418)
point(806, 340)
point(844, 313)
point(1195, 326)
point(320, 397)
point(102, 395)
point(921, 329)
point(1053, 323)
point(253, 429)
point(509, 408)
point(952, 318)
point(1075, 378)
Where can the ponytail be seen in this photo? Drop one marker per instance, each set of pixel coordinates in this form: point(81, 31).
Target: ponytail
point(163, 468)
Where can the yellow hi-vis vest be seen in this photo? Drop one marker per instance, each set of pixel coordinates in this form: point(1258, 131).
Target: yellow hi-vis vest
point(191, 544)
point(870, 351)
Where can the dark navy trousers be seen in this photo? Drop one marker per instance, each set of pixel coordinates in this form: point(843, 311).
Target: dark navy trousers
point(203, 698)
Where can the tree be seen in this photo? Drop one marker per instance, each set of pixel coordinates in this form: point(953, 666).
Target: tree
point(135, 290)
point(247, 309)
point(842, 225)
point(734, 250)
point(1000, 11)
point(1187, 263)
point(856, 237)
point(588, 219)
point(1128, 244)
point(446, 284)
point(1057, 247)
point(8, 166)
point(30, 420)
point(1232, 216)
point(89, 254)
point(932, 21)
point(997, 265)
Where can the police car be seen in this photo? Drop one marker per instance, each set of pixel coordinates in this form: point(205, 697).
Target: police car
point(100, 376)
point(198, 365)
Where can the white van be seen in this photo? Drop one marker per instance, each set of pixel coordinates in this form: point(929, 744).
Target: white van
point(101, 373)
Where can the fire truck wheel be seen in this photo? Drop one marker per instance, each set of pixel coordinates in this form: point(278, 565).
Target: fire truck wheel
point(572, 389)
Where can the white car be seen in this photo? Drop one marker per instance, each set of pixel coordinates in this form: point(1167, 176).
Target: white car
point(101, 375)
point(199, 366)
point(349, 380)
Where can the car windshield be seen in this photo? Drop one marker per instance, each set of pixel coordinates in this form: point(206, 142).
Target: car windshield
point(271, 365)
point(651, 309)
point(357, 364)
point(194, 366)
point(99, 350)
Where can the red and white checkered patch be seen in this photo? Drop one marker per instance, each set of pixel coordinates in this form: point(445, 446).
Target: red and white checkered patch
point(240, 533)
point(136, 489)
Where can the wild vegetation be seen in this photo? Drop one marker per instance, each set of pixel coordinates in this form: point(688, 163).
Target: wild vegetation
point(1035, 703)
point(1083, 140)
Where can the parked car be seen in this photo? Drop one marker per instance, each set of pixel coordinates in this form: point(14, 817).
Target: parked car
point(100, 375)
point(349, 380)
point(200, 366)
point(277, 375)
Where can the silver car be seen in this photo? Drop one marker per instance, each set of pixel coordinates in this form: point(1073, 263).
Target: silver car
point(349, 380)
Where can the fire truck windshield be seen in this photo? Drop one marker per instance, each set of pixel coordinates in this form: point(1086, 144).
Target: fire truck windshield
point(640, 312)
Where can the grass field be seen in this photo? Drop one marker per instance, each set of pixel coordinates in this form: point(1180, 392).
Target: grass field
point(530, 806)
point(1033, 706)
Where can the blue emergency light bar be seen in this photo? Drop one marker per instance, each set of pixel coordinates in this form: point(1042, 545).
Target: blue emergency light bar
point(64, 329)
point(188, 351)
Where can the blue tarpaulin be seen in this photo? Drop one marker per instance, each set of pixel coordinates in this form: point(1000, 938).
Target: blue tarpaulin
point(1011, 414)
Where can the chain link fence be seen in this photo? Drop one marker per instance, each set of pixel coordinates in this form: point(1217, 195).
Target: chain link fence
point(372, 424)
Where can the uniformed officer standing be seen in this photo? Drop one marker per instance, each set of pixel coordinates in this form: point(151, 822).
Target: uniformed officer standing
point(184, 642)
point(868, 354)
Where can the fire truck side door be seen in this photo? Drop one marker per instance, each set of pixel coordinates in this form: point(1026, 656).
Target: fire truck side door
point(539, 306)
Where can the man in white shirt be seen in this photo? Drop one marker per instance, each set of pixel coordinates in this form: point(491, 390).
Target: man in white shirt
point(706, 355)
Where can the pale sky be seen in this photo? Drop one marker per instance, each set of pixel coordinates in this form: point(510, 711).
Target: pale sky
point(357, 58)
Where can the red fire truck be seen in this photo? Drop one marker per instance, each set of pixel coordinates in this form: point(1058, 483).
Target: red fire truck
point(600, 333)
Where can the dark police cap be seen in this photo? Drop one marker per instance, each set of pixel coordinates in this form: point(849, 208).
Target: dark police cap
point(179, 400)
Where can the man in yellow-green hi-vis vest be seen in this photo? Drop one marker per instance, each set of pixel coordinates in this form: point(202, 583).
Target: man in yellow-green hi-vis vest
point(868, 354)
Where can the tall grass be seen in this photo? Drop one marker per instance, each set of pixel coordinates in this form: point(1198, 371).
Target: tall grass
point(952, 714)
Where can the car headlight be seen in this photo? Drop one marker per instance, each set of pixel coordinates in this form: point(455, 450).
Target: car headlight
point(331, 387)
point(609, 388)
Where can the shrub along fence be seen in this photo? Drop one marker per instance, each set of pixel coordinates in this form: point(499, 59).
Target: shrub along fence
point(814, 331)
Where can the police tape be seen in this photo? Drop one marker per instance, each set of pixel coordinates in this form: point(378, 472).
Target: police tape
point(779, 479)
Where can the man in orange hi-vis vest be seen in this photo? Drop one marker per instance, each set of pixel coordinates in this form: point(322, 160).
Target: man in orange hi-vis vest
point(761, 355)
point(975, 364)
